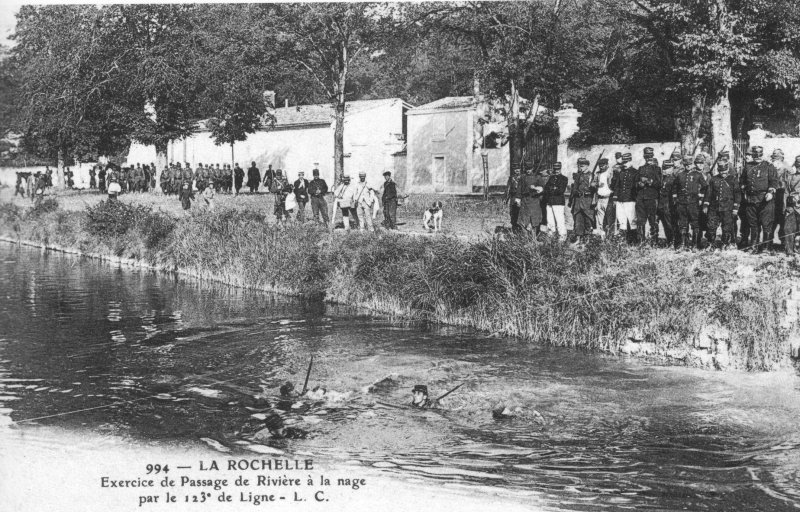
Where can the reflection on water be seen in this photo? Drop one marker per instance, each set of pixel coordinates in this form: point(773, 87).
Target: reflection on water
point(146, 358)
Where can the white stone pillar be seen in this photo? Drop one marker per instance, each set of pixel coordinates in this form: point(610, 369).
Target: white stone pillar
point(757, 136)
point(567, 127)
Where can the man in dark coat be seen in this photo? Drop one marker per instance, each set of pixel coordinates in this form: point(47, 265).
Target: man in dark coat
point(238, 178)
point(759, 184)
point(648, 186)
point(511, 192)
point(792, 210)
point(623, 185)
point(554, 189)
point(666, 208)
point(301, 195)
point(688, 191)
point(317, 189)
point(581, 200)
point(269, 177)
point(529, 197)
point(722, 202)
point(389, 199)
point(253, 178)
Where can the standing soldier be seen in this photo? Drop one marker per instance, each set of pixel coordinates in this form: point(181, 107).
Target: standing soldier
point(783, 170)
point(624, 186)
point(687, 193)
point(666, 208)
point(186, 175)
point(238, 178)
point(554, 188)
point(792, 216)
point(282, 189)
point(512, 188)
point(581, 200)
point(92, 178)
point(529, 194)
point(269, 176)
point(722, 202)
point(101, 179)
point(138, 178)
point(254, 179)
point(164, 180)
point(603, 179)
point(301, 195)
point(648, 187)
point(759, 183)
point(389, 198)
point(317, 188)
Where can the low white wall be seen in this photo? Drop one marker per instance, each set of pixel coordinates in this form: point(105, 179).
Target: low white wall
point(8, 175)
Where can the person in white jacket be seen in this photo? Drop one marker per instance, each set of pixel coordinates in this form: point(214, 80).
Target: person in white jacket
point(344, 198)
point(366, 203)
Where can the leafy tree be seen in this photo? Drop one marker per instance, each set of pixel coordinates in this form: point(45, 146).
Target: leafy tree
point(324, 41)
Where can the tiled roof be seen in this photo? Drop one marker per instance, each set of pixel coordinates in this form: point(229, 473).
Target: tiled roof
point(315, 115)
point(323, 114)
point(448, 103)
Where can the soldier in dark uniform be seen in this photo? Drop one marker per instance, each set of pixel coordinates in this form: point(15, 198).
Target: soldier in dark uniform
point(722, 202)
point(165, 179)
point(688, 191)
point(666, 208)
point(101, 179)
point(759, 183)
point(529, 195)
point(648, 186)
point(254, 178)
point(555, 187)
point(93, 178)
point(269, 176)
point(389, 201)
point(238, 178)
point(581, 200)
point(186, 176)
point(317, 189)
point(780, 203)
point(282, 189)
point(511, 192)
point(419, 397)
point(792, 210)
point(624, 186)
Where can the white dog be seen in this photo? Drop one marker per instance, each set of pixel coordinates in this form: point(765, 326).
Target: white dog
point(434, 214)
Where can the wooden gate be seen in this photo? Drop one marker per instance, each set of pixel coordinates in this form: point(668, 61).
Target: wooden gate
point(541, 149)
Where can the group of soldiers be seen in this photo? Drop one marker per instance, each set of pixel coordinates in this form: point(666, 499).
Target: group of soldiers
point(689, 197)
point(33, 184)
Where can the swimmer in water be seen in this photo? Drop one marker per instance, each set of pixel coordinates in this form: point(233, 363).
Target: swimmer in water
point(419, 397)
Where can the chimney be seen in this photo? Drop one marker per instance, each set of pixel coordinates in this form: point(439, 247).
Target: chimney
point(269, 99)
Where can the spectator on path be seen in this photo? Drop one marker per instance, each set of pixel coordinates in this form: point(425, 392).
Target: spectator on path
point(300, 190)
point(238, 178)
point(317, 189)
point(254, 178)
point(186, 195)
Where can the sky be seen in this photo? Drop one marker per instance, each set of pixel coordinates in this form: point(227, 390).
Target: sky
point(8, 11)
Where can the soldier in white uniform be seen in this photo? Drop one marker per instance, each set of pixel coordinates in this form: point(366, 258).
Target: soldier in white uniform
point(366, 203)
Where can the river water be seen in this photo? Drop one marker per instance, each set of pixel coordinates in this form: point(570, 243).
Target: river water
point(149, 360)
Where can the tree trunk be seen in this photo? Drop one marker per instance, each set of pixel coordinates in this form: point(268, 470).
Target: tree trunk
point(516, 133)
point(689, 125)
point(479, 101)
point(60, 168)
point(233, 173)
point(721, 123)
point(338, 143)
point(161, 162)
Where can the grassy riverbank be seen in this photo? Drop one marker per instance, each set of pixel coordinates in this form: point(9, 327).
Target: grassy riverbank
point(719, 310)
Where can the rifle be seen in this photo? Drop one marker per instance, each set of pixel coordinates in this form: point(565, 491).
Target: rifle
point(714, 165)
point(308, 374)
point(594, 170)
point(444, 395)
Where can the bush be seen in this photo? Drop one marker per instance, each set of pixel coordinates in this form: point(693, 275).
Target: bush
point(113, 218)
point(44, 207)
